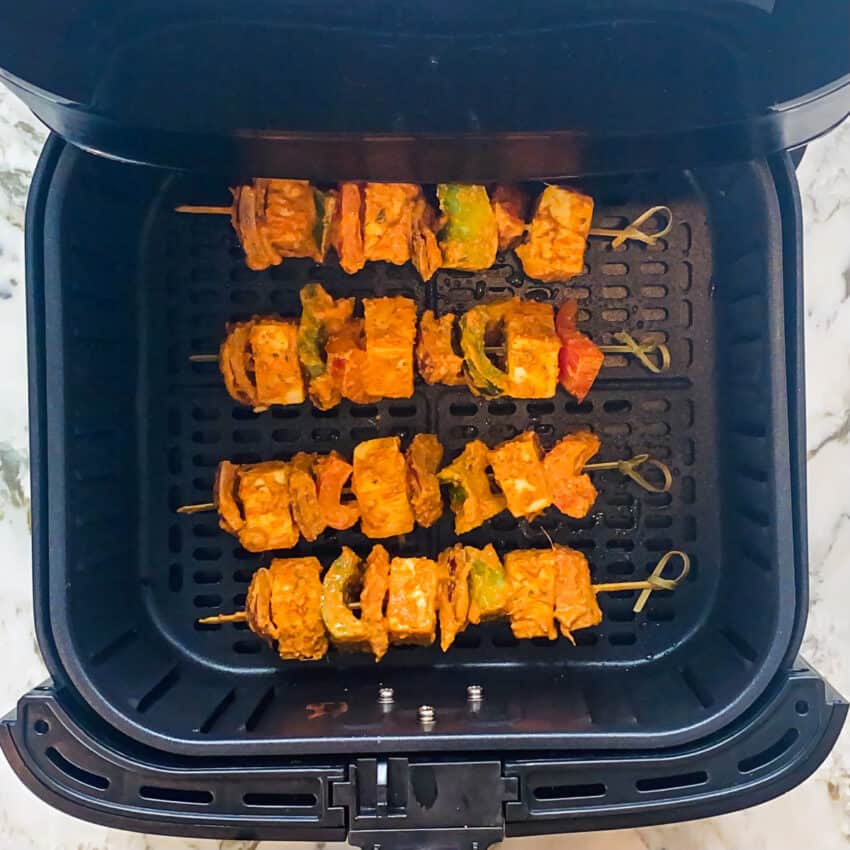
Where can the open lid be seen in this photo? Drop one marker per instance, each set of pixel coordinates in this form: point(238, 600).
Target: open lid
point(405, 89)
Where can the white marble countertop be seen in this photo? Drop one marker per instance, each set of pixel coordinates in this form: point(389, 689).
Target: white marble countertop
point(817, 813)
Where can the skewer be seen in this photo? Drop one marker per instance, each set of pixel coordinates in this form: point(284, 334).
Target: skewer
point(647, 586)
point(625, 467)
point(628, 345)
point(633, 231)
point(200, 209)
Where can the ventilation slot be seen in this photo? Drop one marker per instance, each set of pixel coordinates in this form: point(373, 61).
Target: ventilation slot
point(85, 777)
point(570, 792)
point(702, 693)
point(159, 690)
point(741, 646)
point(208, 724)
point(113, 647)
point(773, 752)
point(267, 799)
point(262, 707)
point(191, 796)
point(668, 783)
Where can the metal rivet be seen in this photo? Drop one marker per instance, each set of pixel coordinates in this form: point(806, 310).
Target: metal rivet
point(426, 714)
point(475, 693)
point(386, 696)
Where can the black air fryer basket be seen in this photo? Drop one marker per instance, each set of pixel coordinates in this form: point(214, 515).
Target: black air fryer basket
point(694, 706)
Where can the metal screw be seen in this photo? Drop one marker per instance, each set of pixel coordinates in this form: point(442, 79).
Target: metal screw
point(426, 715)
point(475, 693)
point(386, 696)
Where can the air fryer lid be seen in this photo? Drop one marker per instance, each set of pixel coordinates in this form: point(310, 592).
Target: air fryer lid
point(425, 91)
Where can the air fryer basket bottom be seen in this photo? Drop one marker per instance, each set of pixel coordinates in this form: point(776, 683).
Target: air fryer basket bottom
point(131, 289)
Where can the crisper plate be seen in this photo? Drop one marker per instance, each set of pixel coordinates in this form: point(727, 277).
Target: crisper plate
point(126, 290)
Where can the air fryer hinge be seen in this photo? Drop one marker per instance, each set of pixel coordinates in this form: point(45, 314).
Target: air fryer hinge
point(398, 804)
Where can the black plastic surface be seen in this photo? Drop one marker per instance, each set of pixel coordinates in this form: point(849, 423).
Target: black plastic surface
point(72, 760)
point(122, 290)
point(430, 92)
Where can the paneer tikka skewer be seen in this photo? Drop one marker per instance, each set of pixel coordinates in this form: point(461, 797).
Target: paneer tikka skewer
point(271, 505)
point(328, 354)
point(367, 605)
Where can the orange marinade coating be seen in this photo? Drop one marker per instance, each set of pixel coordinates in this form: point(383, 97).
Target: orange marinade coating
point(332, 472)
point(519, 472)
point(275, 219)
point(235, 363)
point(390, 329)
point(509, 206)
point(423, 458)
point(277, 370)
point(425, 250)
point(373, 598)
point(348, 228)
point(531, 577)
point(558, 235)
point(412, 605)
point(224, 496)
point(453, 593)
point(347, 361)
point(379, 482)
point(296, 606)
point(306, 510)
point(388, 221)
point(435, 355)
point(263, 491)
point(532, 347)
point(573, 492)
point(575, 602)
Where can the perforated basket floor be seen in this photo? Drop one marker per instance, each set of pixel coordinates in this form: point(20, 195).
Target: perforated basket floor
point(140, 430)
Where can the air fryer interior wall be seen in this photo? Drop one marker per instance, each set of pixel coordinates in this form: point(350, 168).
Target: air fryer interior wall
point(134, 429)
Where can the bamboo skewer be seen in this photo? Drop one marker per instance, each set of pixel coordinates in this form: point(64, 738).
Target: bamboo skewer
point(628, 468)
point(648, 586)
point(201, 209)
point(632, 231)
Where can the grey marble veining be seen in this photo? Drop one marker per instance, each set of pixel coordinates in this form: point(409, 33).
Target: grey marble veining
point(815, 814)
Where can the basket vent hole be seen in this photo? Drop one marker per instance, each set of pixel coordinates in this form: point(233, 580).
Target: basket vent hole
point(570, 792)
point(540, 408)
point(279, 800)
point(41, 726)
point(191, 796)
point(402, 411)
point(248, 646)
point(622, 639)
point(175, 578)
point(801, 707)
point(85, 777)
point(668, 783)
point(575, 407)
point(207, 600)
point(364, 411)
point(463, 409)
point(501, 408)
point(617, 406)
point(771, 753)
point(614, 270)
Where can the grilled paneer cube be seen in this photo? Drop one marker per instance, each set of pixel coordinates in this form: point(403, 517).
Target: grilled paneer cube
point(532, 348)
point(519, 472)
point(380, 485)
point(423, 458)
point(470, 496)
point(390, 328)
point(296, 606)
point(262, 489)
point(453, 594)
point(531, 578)
point(558, 235)
point(575, 602)
point(277, 372)
point(412, 605)
point(388, 221)
point(488, 584)
point(573, 492)
point(435, 355)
